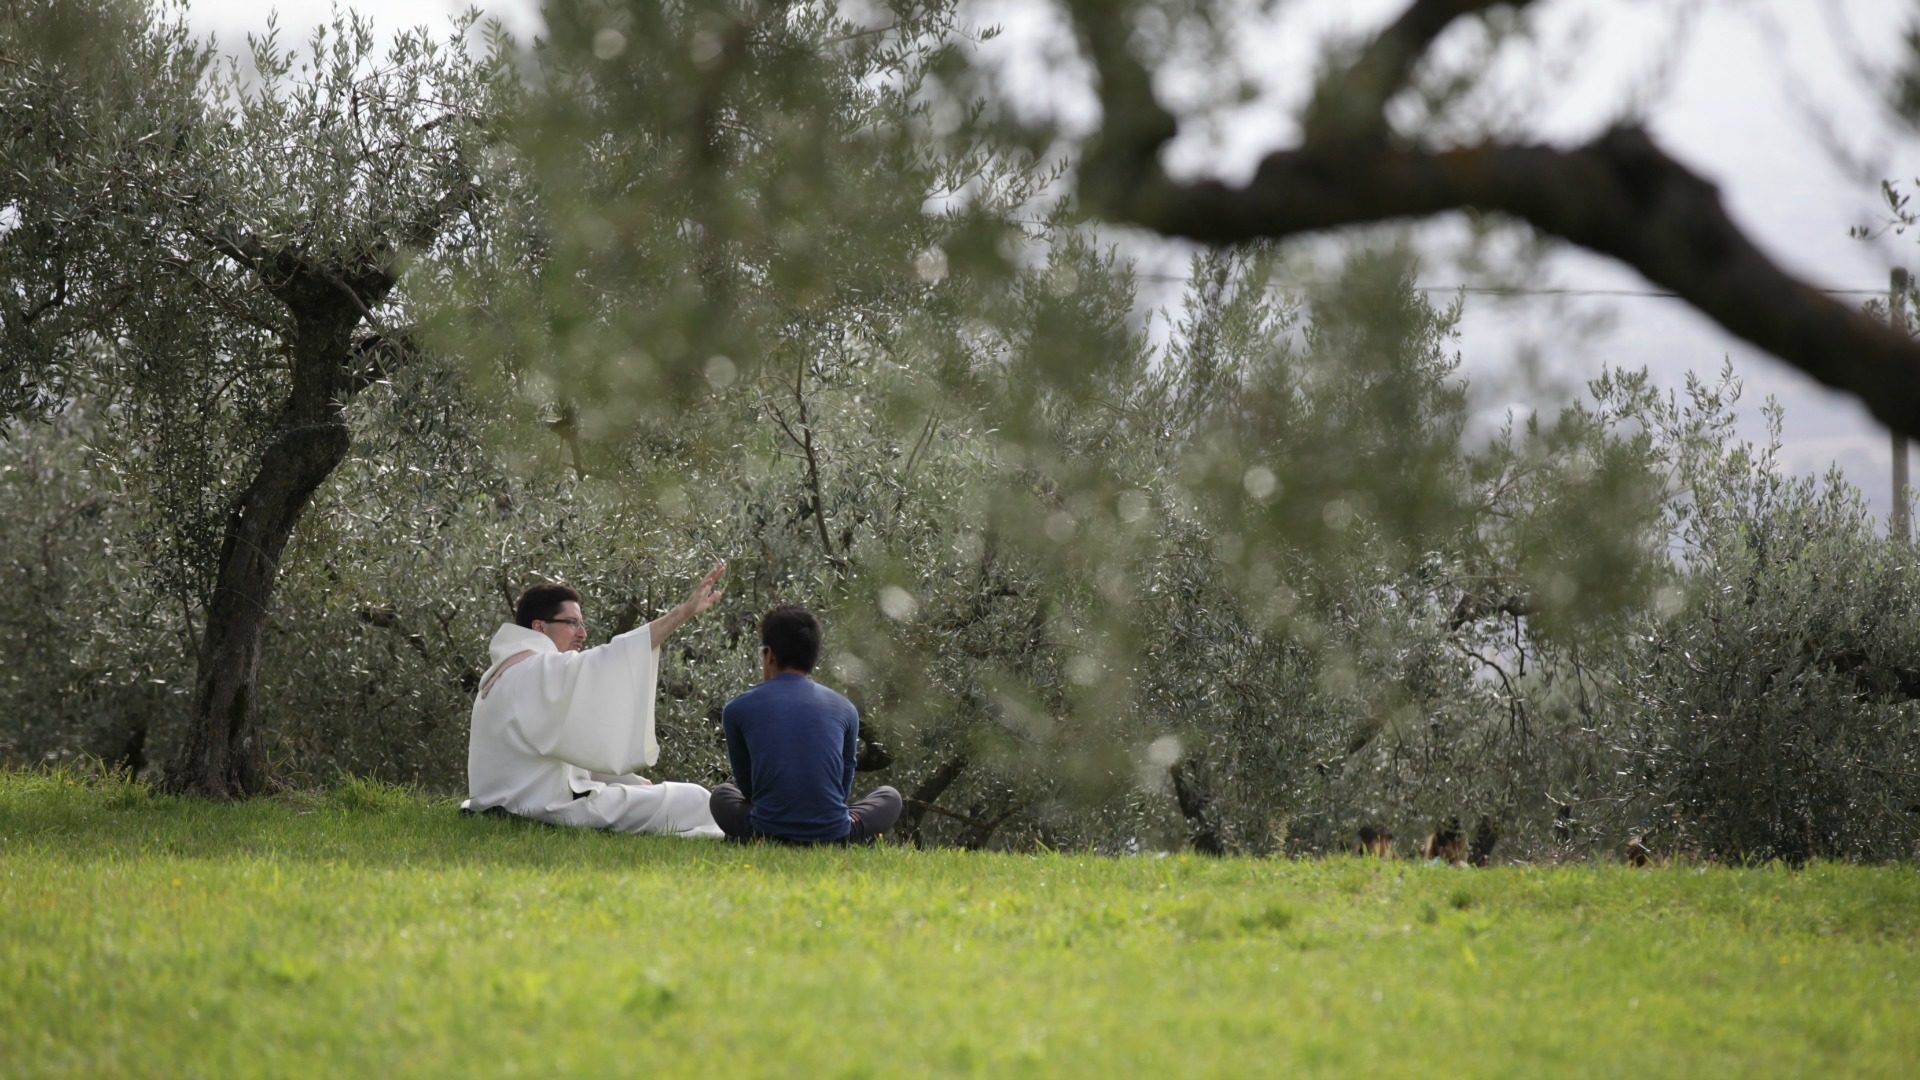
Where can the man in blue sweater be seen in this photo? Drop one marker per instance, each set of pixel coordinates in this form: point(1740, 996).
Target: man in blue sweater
point(792, 743)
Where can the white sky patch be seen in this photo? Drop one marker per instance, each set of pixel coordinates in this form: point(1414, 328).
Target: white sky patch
point(1035, 65)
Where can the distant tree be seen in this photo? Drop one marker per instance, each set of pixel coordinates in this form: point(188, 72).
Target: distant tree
point(1767, 709)
point(229, 256)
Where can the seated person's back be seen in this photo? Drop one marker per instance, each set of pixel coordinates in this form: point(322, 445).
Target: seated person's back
point(793, 744)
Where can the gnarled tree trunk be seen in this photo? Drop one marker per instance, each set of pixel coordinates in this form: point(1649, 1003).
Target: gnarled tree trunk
point(1202, 831)
point(223, 753)
point(927, 794)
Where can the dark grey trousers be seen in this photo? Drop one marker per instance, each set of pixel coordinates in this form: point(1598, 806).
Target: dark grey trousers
point(872, 814)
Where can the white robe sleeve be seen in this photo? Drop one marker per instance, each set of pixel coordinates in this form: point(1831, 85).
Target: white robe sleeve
point(592, 709)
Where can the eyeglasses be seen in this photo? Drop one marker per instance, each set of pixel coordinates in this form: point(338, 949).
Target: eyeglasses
point(581, 623)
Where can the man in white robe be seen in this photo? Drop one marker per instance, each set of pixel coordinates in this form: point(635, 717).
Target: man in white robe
point(558, 729)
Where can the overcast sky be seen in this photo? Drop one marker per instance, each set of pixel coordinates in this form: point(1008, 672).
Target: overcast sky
point(1770, 99)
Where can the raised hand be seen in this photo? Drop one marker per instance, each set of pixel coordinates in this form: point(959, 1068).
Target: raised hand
point(705, 594)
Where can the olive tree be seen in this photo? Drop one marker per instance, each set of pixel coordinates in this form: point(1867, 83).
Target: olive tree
point(227, 249)
point(1767, 708)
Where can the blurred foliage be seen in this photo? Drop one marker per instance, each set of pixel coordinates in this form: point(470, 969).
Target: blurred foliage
point(762, 283)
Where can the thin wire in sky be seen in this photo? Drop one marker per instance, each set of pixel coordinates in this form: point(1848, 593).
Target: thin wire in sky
point(1513, 290)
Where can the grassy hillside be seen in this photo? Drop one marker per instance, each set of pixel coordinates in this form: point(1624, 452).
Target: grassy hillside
point(367, 932)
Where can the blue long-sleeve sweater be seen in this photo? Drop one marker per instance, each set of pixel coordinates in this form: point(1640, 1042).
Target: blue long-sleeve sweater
point(792, 743)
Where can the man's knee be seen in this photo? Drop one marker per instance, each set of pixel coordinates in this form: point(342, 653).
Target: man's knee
point(876, 812)
point(731, 810)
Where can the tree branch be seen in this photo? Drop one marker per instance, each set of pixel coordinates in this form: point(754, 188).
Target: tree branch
point(1351, 102)
point(242, 247)
point(804, 440)
point(1124, 154)
point(1474, 606)
point(922, 798)
point(936, 808)
point(567, 426)
point(420, 233)
point(184, 267)
point(1202, 832)
point(1516, 709)
point(57, 298)
point(364, 288)
point(375, 355)
point(1620, 196)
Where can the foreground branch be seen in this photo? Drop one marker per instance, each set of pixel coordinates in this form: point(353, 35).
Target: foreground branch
point(1620, 196)
point(1352, 103)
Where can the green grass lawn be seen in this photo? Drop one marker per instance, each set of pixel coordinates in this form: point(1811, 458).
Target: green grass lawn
point(369, 932)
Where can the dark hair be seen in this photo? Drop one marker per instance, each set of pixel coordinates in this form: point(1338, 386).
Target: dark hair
point(793, 635)
point(542, 602)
